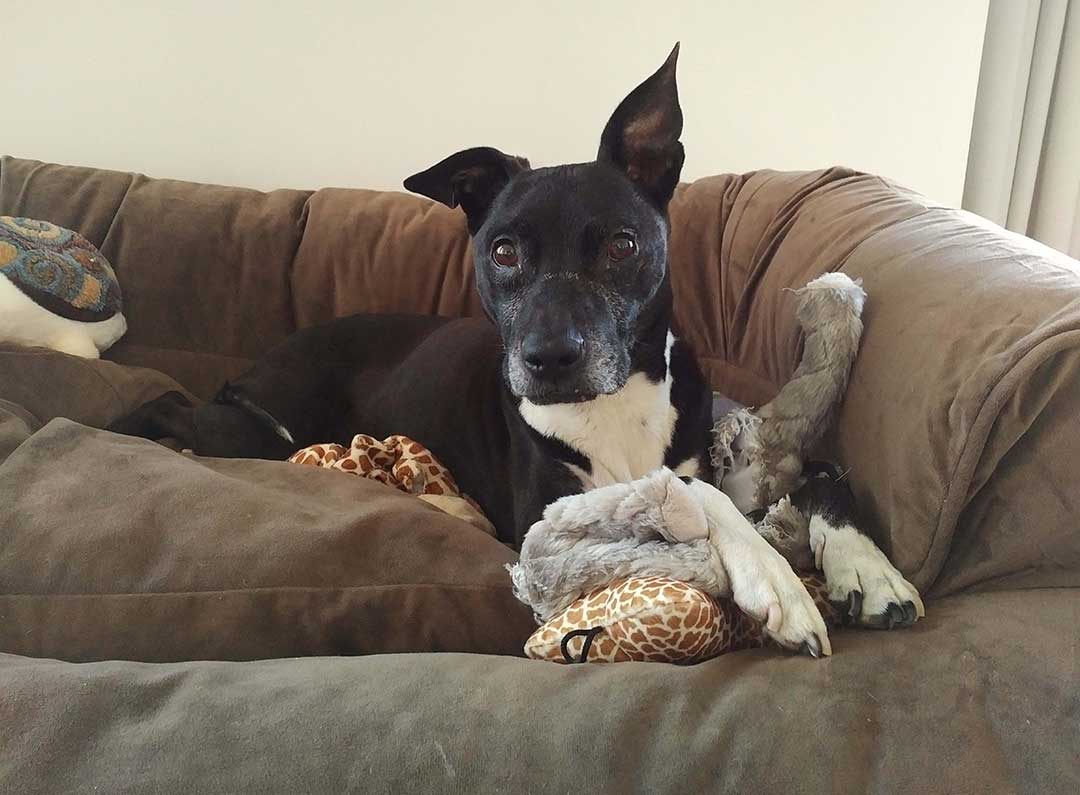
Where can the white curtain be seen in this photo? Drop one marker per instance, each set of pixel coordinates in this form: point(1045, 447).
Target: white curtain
point(1024, 162)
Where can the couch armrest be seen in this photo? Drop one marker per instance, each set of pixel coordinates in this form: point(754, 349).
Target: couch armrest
point(971, 350)
point(960, 421)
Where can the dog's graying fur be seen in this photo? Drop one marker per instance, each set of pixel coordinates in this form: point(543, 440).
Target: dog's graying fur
point(543, 401)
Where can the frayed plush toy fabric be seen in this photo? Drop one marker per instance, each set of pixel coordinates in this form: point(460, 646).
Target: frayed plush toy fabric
point(653, 527)
point(759, 455)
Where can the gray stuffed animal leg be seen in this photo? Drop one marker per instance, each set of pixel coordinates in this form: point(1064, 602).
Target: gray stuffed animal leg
point(651, 527)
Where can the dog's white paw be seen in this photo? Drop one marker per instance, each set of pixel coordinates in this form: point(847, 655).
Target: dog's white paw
point(763, 584)
point(867, 589)
point(767, 588)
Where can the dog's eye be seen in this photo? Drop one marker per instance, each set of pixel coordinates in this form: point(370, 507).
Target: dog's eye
point(504, 254)
point(621, 246)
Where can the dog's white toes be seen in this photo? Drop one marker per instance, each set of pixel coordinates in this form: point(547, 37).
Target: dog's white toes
point(792, 620)
point(800, 626)
point(768, 590)
point(763, 584)
point(774, 617)
point(861, 581)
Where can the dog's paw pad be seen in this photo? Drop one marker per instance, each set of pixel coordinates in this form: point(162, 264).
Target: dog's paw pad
point(863, 585)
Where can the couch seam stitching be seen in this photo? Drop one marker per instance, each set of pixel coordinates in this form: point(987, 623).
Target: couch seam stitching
point(116, 212)
point(305, 214)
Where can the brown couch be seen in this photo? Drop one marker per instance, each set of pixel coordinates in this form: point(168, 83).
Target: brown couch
point(176, 624)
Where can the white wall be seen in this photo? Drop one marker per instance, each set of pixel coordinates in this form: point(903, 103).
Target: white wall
point(364, 93)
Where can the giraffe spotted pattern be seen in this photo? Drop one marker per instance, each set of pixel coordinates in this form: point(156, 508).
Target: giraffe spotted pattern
point(397, 461)
point(654, 619)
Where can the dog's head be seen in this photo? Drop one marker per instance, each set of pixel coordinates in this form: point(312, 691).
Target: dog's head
point(571, 261)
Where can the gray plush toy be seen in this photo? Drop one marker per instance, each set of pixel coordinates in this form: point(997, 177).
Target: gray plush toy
point(759, 455)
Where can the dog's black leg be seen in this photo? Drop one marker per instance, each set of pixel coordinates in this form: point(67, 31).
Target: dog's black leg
point(169, 416)
point(214, 429)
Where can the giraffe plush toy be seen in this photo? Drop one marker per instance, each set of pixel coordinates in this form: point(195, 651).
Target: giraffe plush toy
point(655, 619)
point(400, 462)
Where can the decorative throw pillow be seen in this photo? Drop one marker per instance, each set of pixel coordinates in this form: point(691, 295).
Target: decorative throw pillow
point(56, 289)
point(654, 619)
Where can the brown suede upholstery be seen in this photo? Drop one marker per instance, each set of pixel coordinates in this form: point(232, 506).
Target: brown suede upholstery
point(181, 558)
point(960, 428)
point(214, 276)
point(960, 704)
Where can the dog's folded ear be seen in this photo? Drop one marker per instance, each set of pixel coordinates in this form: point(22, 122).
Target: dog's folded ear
point(470, 179)
point(642, 135)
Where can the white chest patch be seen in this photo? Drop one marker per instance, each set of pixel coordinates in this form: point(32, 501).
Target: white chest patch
point(624, 435)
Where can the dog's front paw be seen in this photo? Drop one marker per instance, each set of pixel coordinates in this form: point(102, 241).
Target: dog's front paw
point(866, 588)
point(767, 589)
point(763, 584)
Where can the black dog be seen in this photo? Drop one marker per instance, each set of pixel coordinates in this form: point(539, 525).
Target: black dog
point(575, 383)
point(578, 382)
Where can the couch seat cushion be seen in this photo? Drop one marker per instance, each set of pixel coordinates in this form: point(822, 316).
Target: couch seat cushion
point(116, 547)
point(982, 696)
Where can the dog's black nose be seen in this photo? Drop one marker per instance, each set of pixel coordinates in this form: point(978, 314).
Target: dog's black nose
point(552, 355)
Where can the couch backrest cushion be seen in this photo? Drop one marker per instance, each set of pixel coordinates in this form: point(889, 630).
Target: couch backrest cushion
point(214, 276)
point(205, 270)
point(372, 251)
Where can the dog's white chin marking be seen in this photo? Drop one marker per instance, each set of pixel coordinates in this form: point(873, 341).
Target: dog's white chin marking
point(853, 562)
point(624, 435)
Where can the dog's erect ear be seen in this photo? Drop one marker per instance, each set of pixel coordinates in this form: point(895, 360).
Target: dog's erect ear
point(470, 179)
point(642, 135)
